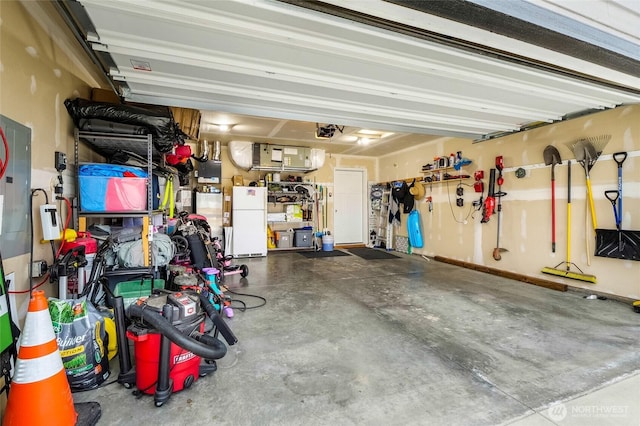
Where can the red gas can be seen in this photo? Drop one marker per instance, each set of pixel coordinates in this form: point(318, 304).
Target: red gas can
point(90, 248)
point(84, 239)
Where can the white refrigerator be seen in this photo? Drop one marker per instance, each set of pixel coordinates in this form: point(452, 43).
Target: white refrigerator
point(249, 233)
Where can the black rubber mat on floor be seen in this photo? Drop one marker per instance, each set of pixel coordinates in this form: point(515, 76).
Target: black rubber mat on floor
point(316, 254)
point(88, 413)
point(371, 254)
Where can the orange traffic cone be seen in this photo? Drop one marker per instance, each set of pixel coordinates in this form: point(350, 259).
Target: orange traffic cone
point(39, 393)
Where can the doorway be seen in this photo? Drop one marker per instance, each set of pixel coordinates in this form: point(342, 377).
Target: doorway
point(349, 218)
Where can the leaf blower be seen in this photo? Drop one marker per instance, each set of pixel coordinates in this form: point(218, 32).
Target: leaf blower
point(490, 201)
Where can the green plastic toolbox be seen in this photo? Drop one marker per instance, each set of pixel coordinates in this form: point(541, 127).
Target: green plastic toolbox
point(133, 290)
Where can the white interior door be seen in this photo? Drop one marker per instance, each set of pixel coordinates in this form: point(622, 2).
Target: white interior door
point(349, 187)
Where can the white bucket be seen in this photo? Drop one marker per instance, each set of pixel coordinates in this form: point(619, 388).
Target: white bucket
point(327, 242)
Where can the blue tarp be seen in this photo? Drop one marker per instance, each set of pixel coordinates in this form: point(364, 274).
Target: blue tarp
point(111, 170)
point(94, 180)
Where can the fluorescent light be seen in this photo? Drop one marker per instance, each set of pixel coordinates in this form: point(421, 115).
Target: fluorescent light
point(223, 128)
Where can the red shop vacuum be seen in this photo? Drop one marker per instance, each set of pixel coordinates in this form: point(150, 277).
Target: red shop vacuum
point(171, 348)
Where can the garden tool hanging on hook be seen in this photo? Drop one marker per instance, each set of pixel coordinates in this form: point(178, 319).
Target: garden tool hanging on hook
point(499, 195)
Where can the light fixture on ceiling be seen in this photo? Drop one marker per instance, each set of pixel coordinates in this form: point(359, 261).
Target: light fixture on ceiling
point(365, 137)
point(223, 128)
point(372, 134)
point(327, 131)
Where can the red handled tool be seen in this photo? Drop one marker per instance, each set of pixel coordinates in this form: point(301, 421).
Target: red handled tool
point(499, 195)
point(490, 201)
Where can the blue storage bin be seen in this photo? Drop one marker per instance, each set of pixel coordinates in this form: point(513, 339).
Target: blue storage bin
point(104, 188)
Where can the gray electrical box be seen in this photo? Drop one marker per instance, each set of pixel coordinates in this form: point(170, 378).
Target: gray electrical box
point(15, 190)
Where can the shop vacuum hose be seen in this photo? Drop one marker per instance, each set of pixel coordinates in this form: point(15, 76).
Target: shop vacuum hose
point(203, 347)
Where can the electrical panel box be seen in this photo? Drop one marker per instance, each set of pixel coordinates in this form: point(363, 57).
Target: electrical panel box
point(15, 191)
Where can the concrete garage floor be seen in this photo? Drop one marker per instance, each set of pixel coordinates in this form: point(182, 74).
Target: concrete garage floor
point(348, 341)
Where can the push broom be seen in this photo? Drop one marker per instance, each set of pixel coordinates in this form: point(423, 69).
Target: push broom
point(567, 272)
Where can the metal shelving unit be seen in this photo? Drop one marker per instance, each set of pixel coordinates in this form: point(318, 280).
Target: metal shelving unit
point(139, 147)
point(380, 230)
point(307, 200)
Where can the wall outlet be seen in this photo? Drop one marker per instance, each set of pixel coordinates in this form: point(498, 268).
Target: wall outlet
point(38, 268)
point(61, 161)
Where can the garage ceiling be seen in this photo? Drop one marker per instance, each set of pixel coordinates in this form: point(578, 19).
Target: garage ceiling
point(398, 67)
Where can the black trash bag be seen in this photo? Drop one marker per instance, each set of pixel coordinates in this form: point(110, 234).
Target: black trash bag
point(158, 120)
point(184, 168)
point(183, 179)
point(119, 157)
point(104, 126)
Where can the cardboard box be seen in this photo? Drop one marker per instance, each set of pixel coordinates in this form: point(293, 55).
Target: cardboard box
point(226, 205)
point(276, 217)
point(238, 180)
point(104, 95)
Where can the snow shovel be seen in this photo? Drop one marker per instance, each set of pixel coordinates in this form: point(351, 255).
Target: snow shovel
point(551, 158)
point(614, 196)
point(619, 158)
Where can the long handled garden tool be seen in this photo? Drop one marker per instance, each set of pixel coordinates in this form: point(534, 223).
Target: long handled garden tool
point(587, 151)
point(614, 196)
point(619, 158)
point(499, 195)
point(551, 158)
point(567, 273)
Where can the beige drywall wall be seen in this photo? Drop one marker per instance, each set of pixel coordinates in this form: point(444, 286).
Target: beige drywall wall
point(526, 220)
point(40, 66)
point(325, 177)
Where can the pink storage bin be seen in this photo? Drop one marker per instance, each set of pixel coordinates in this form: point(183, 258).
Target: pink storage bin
point(126, 194)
